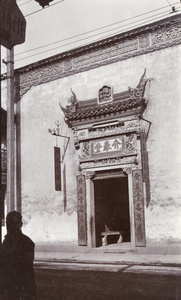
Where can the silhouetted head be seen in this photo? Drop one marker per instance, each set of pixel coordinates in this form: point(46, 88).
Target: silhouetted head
point(13, 222)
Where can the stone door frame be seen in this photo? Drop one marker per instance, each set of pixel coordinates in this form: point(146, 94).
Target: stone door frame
point(90, 200)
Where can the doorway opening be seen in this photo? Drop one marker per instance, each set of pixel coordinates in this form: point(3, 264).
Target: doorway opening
point(112, 209)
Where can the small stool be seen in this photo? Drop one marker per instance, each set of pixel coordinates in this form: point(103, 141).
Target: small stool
point(107, 232)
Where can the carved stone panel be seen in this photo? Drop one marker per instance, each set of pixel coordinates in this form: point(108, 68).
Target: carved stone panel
point(145, 166)
point(109, 174)
point(112, 161)
point(138, 202)
point(111, 129)
point(86, 149)
point(143, 155)
point(81, 210)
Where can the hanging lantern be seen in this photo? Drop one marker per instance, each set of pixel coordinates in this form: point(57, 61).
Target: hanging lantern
point(43, 3)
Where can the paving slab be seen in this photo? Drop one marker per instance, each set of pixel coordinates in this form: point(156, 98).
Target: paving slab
point(109, 258)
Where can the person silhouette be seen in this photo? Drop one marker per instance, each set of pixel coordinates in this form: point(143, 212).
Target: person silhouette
point(17, 252)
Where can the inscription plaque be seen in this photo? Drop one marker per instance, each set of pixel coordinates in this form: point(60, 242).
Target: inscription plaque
point(57, 169)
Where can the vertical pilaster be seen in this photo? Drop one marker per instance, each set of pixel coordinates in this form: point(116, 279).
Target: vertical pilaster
point(138, 203)
point(81, 210)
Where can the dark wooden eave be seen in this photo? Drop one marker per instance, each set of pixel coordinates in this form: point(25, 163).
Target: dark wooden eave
point(90, 111)
point(127, 103)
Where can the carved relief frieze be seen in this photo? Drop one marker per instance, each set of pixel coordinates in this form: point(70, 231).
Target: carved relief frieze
point(109, 129)
point(109, 162)
point(41, 74)
point(82, 134)
point(108, 174)
point(132, 125)
point(36, 76)
point(152, 37)
point(160, 36)
point(67, 65)
point(106, 52)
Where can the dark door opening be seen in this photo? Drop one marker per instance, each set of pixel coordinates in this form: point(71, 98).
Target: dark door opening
point(112, 208)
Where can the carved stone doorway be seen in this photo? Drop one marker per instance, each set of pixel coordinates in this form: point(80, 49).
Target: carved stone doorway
point(111, 209)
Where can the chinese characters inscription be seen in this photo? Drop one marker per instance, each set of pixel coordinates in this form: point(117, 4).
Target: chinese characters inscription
point(81, 209)
point(138, 202)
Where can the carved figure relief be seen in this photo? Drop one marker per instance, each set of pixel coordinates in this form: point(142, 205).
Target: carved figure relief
point(130, 143)
point(105, 94)
point(86, 149)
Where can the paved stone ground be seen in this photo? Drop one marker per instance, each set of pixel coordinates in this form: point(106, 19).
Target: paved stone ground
point(109, 257)
point(100, 282)
point(98, 275)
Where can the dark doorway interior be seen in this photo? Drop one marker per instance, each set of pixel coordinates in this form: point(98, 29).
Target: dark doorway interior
point(112, 208)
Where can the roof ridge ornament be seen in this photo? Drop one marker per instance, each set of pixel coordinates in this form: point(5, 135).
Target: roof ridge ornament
point(138, 92)
point(72, 104)
point(105, 94)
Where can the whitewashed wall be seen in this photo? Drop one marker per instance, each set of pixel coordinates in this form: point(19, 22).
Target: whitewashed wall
point(43, 207)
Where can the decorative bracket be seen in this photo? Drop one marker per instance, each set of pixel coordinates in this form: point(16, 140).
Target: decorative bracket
point(90, 175)
point(127, 170)
point(56, 132)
